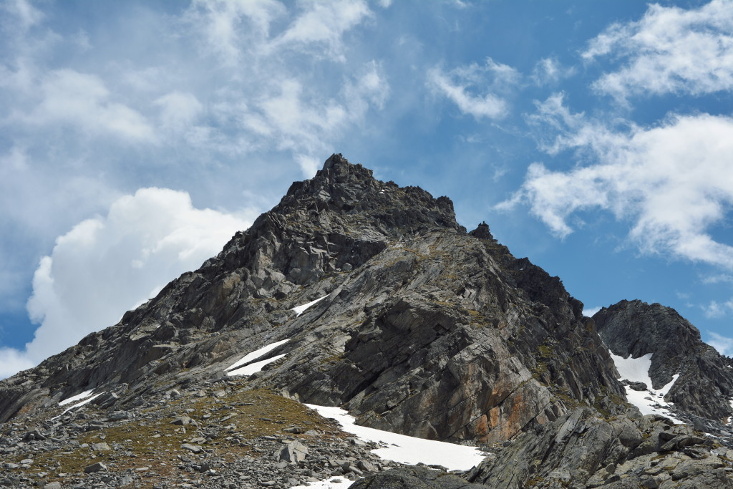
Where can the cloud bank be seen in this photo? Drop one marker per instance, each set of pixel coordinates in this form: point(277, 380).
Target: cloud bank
point(109, 264)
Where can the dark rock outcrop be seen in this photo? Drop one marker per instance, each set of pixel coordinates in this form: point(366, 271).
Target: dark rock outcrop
point(583, 450)
point(705, 382)
point(415, 478)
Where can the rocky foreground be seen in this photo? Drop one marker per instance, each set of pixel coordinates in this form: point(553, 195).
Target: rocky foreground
point(415, 326)
point(213, 435)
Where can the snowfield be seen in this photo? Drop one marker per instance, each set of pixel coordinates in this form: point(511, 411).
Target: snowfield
point(650, 401)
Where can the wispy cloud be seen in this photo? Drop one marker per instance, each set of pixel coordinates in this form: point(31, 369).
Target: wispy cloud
point(669, 181)
point(723, 344)
point(549, 71)
point(83, 101)
point(670, 50)
point(322, 25)
point(477, 90)
point(715, 309)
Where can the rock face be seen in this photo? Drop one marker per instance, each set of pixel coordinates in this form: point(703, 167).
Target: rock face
point(419, 314)
point(705, 382)
point(368, 296)
point(584, 450)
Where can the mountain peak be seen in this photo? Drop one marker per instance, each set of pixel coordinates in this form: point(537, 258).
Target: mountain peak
point(336, 159)
point(350, 194)
point(350, 292)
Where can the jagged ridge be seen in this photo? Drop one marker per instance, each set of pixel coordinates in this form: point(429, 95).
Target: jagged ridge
point(421, 314)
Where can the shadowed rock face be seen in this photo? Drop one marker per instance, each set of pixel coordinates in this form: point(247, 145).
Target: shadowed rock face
point(705, 380)
point(427, 330)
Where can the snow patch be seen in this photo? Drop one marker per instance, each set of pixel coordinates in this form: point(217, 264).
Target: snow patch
point(332, 483)
point(89, 398)
point(254, 367)
point(249, 357)
point(300, 309)
point(77, 397)
point(407, 449)
point(649, 401)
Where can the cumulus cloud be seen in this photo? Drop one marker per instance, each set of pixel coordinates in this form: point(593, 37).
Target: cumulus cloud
point(109, 264)
point(13, 361)
point(670, 50)
point(476, 89)
point(672, 182)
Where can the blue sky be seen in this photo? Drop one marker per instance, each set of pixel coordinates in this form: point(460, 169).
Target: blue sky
point(595, 137)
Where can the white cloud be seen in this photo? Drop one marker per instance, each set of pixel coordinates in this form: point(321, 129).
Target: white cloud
point(235, 30)
point(717, 278)
point(229, 27)
point(107, 265)
point(475, 88)
point(178, 109)
point(25, 13)
point(266, 99)
point(715, 309)
point(323, 23)
point(673, 182)
point(549, 71)
point(13, 361)
point(83, 101)
point(590, 311)
point(721, 343)
point(295, 118)
point(670, 50)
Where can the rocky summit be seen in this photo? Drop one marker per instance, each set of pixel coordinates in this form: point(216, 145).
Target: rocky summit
point(369, 296)
point(703, 379)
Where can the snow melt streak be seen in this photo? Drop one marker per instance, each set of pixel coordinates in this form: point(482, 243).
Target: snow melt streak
point(254, 367)
point(300, 309)
point(77, 397)
point(255, 355)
